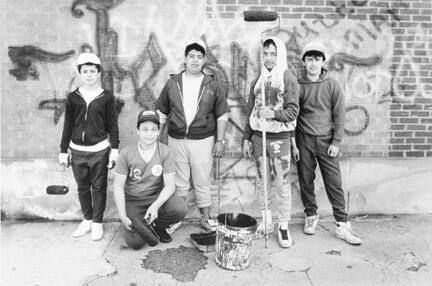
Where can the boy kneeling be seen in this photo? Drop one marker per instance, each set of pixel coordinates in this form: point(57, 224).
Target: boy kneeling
point(144, 183)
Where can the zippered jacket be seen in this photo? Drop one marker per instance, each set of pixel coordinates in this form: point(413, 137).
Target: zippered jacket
point(211, 105)
point(90, 125)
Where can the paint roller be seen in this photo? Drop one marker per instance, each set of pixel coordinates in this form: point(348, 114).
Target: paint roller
point(263, 16)
point(260, 16)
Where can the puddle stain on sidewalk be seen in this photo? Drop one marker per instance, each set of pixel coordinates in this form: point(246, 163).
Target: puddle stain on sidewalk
point(182, 263)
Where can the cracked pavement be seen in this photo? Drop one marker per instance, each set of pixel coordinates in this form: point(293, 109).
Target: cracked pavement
point(396, 250)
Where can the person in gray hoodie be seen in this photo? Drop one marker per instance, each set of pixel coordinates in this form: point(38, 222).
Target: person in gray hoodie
point(320, 128)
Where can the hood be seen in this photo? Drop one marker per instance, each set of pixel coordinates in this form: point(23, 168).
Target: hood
point(323, 77)
point(178, 77)
point(281, 58)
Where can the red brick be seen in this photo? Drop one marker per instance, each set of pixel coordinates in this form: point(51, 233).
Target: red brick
point(396, 154)
point(291, 16)
point(314, 2)
point(224, 2)
point(423, 134)
point(397, 127)
point(248, 2)
point(412, 107)
point(399, 113)
point(422, 147)
point(378, 4)
point(293, 2)
point(397, 140)
point(422, 18)
point(415, 154)
point(404, 134)
point(415, 140)
point(416, 127)
point(227, 15)
point(271, 2)
point(401, 147)
point(302, 9)
point(420, 113)
point(231, 8)
point(428, 154)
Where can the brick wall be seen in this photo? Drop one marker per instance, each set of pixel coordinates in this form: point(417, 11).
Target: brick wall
point(379, 51)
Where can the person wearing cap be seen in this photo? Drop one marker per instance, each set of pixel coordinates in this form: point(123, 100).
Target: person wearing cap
point(277, 118)
point(195, 111)
point(144, 183)
point(91, 133)
point(320, 128)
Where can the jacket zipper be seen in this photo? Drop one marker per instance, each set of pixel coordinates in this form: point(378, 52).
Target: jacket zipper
point(181, 96)
point(86, 113)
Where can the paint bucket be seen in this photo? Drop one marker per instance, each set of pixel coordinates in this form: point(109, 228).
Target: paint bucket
point(234, 237)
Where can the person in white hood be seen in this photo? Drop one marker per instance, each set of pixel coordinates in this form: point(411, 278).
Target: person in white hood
point(277, 118)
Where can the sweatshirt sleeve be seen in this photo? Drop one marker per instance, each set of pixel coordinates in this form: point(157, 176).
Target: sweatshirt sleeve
point(112, 122)
point(220, 105)
point(248, 132)
point(338, 112)
point(162, 102)
point(291, 100)
point(67, 126)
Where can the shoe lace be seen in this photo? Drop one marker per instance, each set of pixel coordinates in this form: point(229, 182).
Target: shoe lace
point(310, 221)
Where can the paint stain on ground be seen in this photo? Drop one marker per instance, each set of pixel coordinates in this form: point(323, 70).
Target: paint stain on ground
point(333, 252)
point(182, 263)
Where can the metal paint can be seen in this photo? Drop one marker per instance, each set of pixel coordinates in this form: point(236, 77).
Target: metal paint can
point(234, 238)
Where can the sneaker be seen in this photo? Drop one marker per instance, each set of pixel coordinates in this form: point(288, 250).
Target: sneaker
point(96, 231)
point(83, 228)
point(311, 223)
point(164, 236)
point(284, 236)
point(173, 227)
point(209, 224)
point(345, 232)
point(260, 232)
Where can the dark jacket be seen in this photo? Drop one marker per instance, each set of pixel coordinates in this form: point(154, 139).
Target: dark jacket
point(322, 108)
point(286, 115)
point(90, 125)
point(211, 105)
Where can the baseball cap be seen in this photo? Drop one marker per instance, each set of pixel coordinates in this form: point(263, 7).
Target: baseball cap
point(148, 115)
point(313, 46)
point(197, 41)
point(88, 58)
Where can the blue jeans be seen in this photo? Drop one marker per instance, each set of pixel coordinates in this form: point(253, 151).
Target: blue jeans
point(313, 149)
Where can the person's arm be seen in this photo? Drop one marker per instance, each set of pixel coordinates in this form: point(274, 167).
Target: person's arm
point(294, 149)
point(163, 106)
point(248, 132)
point(67, 125)
point(168, 190)
point(162, 119)
point(119, 198)
point(338, 113)
point(221, 110)
point(291, 100)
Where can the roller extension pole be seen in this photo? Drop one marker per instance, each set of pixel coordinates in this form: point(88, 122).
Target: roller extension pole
point(262, 16)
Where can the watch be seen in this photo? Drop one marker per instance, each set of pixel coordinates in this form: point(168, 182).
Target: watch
point(221, 140)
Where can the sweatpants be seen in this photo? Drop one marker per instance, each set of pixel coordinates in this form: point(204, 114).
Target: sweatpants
point(313, 149)
point(90, 171)
point(172, 211)
point(194, 159)
point(278, 167)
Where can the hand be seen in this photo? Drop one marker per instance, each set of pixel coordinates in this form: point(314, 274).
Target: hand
point(218, 149)
point(112, 158)
point(295, 152)
point(151, 213)
point(64, 159)
point(266, 112)
point(332, 151)
point(247, 148)
point(127, 222)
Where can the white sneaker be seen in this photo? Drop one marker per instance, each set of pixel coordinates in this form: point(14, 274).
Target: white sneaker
point(173, 227)
point(83, 228)
point(96, 231)
point(345, 232)
point(284, 236)
point(311, 223)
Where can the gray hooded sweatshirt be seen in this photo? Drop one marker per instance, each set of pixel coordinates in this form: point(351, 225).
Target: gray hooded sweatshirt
point(322, 108)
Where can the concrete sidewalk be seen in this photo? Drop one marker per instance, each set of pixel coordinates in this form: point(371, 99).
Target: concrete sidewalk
point(396, 250)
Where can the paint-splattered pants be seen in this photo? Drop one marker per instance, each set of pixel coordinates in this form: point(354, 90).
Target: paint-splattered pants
point(278, 167)
point(313, 149)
